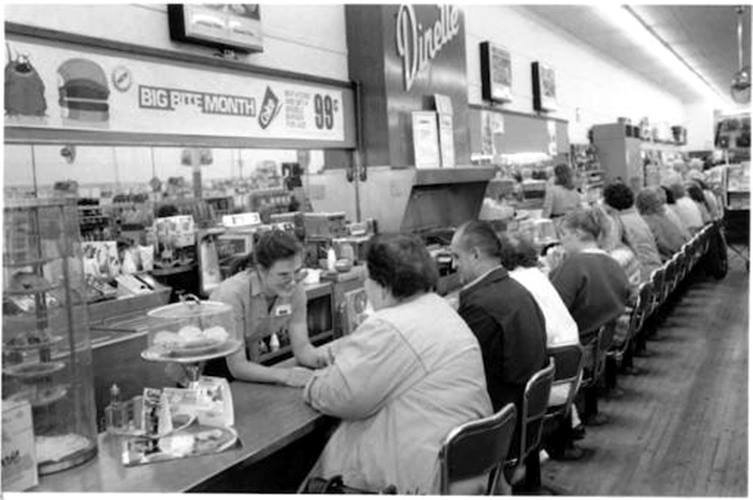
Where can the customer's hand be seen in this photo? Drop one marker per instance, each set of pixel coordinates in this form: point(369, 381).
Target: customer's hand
point(316, 357)
point(298, 376)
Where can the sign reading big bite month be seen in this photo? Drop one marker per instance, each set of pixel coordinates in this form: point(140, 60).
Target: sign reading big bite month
point(60, 88)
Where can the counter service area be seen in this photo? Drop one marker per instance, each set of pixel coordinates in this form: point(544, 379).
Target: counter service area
point(371, 249)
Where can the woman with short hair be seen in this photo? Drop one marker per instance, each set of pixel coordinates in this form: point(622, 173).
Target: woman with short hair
point(686, 209)
point(669, 238)
point(410, 373)
point(634, 231)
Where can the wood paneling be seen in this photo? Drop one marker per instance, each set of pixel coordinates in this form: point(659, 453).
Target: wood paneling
point(681, 428)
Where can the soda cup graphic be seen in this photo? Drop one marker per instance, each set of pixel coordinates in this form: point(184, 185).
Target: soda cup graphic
point(270, 106)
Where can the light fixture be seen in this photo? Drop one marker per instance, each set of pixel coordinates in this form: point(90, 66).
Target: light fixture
point(626, 20)
point(740, 88)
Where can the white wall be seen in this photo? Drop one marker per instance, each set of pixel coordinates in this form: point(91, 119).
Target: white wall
point(307, 39)
point(591, 88)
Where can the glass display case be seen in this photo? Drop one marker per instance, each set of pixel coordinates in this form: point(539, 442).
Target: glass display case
point(46, 346)
point(190, 332)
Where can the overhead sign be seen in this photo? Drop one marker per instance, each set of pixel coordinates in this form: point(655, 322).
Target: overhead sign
point(417, 44)
point(60, 88)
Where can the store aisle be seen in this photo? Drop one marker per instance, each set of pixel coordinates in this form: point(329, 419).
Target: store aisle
point(680, 428)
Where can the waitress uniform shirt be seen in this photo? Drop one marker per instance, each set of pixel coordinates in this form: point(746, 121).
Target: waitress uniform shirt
point(254, 319)
point(407, 376)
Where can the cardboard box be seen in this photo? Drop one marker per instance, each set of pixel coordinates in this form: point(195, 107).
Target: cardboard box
point(19, 458)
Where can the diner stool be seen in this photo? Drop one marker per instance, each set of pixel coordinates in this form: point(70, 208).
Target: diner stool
point(568, 370)
point(535, 403)
point(476, 448)
point(593, 369)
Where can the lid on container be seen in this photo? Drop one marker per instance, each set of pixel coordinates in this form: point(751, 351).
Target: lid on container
point(190, 307)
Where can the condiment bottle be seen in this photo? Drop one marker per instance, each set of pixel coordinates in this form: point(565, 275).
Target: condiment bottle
point(115, 412)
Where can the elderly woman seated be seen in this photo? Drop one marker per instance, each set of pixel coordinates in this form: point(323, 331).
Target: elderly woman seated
point(409, 374)
point(669, 238)
point(686, 209)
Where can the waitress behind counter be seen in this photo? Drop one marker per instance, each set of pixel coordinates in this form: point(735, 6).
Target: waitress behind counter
point(269, 300)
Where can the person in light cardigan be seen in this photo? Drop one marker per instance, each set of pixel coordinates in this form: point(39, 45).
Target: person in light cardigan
point(408, 375)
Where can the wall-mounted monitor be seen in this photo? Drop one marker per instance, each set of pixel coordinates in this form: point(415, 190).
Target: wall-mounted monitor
point(225, 26)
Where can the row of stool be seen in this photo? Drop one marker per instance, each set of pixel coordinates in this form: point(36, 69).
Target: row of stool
point(482, 446)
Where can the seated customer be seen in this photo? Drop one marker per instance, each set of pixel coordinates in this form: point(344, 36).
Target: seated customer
point(635, 232)
point(686, 210)
point(409, 374)
point(668, 198)
point(267, 300)
point(502, 314)
point(695, 193)
point(520, 257)
point(669, 238)
point(592, 284)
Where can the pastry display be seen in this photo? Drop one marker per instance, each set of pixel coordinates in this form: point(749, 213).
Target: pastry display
point(191, 339)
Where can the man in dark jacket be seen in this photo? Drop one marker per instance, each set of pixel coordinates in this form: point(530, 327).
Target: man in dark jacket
point(503, 315)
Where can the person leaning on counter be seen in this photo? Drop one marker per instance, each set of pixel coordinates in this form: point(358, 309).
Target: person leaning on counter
point(267, 299)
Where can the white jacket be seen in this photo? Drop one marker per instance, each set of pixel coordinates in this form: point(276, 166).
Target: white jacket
point(407, 376)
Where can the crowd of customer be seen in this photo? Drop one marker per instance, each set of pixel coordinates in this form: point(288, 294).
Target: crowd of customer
point(416, 368)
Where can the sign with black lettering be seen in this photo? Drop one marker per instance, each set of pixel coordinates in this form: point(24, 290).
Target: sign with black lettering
point(91, 91)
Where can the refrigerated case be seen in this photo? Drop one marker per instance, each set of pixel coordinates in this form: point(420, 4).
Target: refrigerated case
point(619, 153)
point(47, 358)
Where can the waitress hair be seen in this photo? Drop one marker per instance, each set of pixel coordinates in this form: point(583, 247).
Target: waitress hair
point(273, 246)
point(401, 264)
point(563, 176)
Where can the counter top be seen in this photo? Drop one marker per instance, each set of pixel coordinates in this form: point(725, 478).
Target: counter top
point(268, 418)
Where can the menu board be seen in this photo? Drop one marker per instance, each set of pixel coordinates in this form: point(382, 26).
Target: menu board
point(425, 139)
point(544, 87)
point(446, 139)
point(496, 73)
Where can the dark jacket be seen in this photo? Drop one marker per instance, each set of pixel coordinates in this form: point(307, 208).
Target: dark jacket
point(510, 328)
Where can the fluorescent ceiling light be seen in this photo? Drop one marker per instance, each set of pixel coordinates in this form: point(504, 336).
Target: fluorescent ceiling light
point(623, 19)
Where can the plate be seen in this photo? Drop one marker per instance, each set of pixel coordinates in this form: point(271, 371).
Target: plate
point(28, 346)
point(34, 370)
point(43, 397)
point(162, 353)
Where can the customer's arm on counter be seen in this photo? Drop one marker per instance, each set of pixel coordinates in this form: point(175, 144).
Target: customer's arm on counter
point(369, 366)
point(243, 369)
point(305, 353)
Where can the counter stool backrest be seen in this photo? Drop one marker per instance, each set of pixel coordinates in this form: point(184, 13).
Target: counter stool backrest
point(568, 370)
point(535, 402)
point(476, 448)
point(657, 287)
point(642, 307)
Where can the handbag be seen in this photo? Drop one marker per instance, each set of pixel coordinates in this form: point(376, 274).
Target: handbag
point(335, 486)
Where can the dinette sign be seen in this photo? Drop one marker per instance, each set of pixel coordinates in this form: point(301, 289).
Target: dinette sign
point(417, 45)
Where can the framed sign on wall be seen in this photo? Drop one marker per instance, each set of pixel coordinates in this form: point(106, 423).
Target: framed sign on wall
point(496, 73)
point(544, 87)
